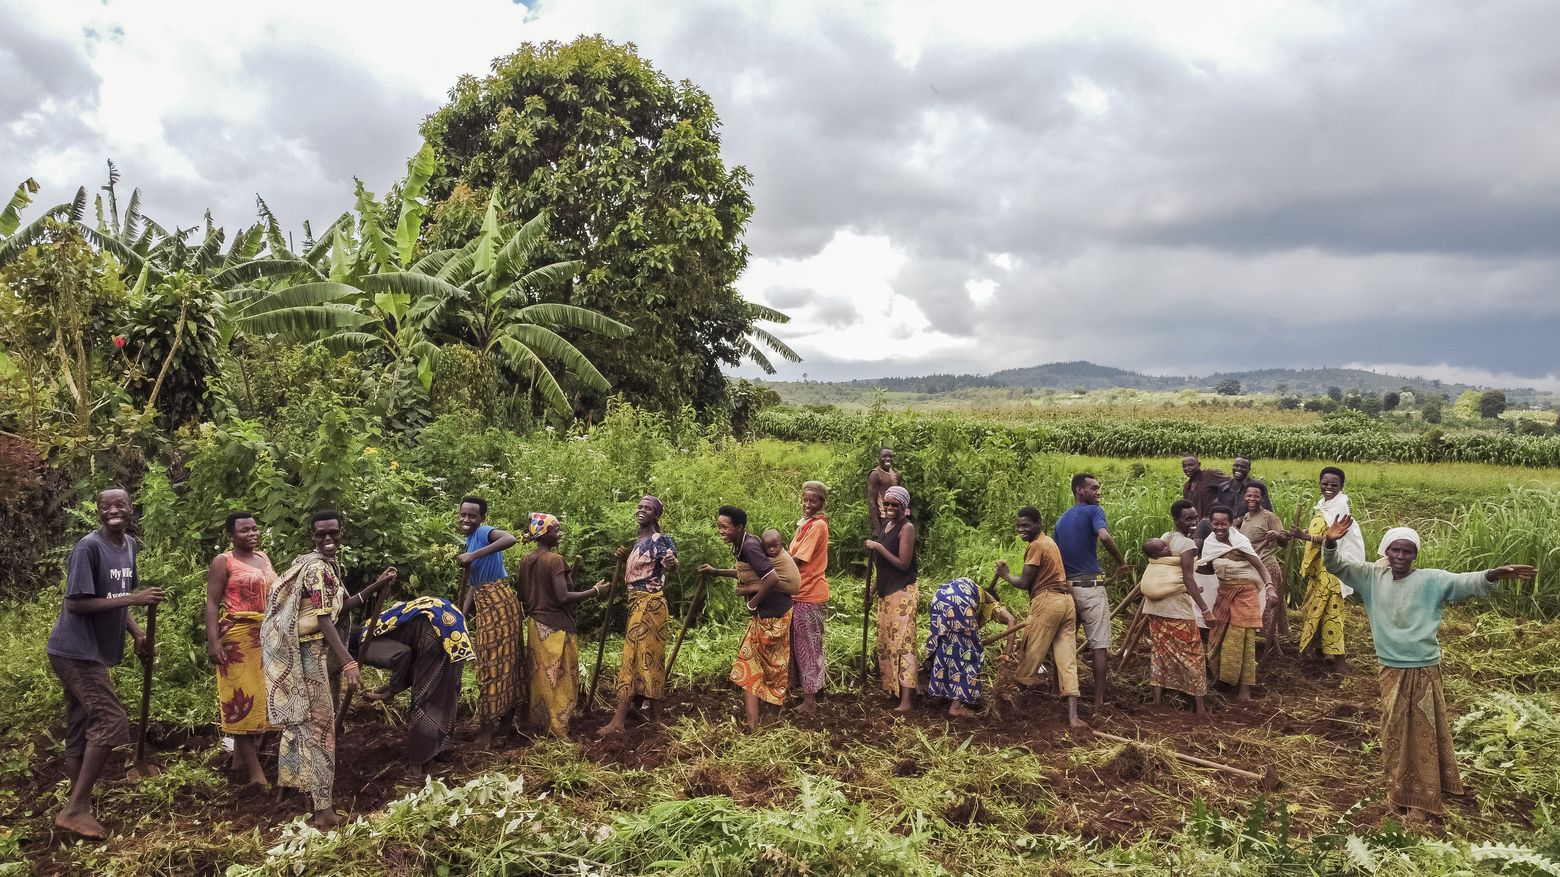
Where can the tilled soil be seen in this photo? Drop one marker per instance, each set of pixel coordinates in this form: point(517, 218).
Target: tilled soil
point(1313, 727)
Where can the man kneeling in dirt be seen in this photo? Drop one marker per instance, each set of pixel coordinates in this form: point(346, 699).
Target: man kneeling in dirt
point(424, 645)
point(88, 638)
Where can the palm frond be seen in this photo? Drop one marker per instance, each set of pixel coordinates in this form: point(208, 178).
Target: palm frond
point(24, 237)
point(313, 254)
point(78, 205)
point(275, 269)
point(573, 317)
point(209, 255)
point(347, 342)
point(520, 246)
point(547, 275)
point(301, 322)
point(756, 311)
point(775, 345)
point(408, 226)
point(554, 346)
point(122, 251)
point(524, 361)
point(431, 263)
point(747, 350)
point(11, 217)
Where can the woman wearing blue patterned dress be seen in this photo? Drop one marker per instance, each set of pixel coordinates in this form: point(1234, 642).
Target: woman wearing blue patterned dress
point(959, 609)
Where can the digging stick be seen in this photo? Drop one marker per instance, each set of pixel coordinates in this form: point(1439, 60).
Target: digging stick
point(1269, 780)
point(368, 634)
point(142, 768)
point(866, 617)
point(463, 593)
point(1134, 633)
point(1125, 600)
point(1290, 572)
point(693, 606)
point(1002, 633)
point(601, 644)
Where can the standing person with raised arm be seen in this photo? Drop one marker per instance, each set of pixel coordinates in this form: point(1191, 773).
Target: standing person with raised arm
point(810, 550)
point(642, 670)
point(296, 636)
point(1405, 606)
point(237, 584)
point(881, 478)
point(1077, 531)
point(1049, 630)
point(100, 587)
point(554, 650)
point(494, 610)
point(898, 597)
point(763, 666)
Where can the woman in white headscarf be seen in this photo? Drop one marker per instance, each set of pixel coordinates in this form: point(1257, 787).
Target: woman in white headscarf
point(1237, 612)
point(1404, 604)
point(1323, 607)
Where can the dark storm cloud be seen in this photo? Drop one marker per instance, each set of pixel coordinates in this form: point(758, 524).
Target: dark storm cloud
point(1425, 131)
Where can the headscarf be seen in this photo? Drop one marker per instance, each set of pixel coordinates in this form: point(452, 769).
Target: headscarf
point(1352, 545)
point(900, 494)
point(1212, 547)
point(1395, 534)
point(541, 522)
point(816, 487)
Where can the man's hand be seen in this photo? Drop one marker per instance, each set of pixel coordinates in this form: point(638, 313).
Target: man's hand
point(1513, 571)
point(146, 597)
point(466, 558)
point(143, 647)
point(706, 570)
point(1123, 569)
point(1002, 568)
point(1339, 528)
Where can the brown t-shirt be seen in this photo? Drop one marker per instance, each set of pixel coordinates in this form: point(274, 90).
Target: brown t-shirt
point(1044, 554)
point(537, 571)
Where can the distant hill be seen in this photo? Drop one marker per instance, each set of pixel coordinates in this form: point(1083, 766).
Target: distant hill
point(1089, 376)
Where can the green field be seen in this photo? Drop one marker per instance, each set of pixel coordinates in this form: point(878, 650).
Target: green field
point(854, 790)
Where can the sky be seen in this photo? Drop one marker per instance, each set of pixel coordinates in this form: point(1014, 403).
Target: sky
point(1176, 188)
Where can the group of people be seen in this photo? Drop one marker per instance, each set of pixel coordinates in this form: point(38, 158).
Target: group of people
point(1212, 587)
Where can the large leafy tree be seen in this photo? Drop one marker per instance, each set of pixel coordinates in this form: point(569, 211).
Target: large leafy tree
point(626, 164)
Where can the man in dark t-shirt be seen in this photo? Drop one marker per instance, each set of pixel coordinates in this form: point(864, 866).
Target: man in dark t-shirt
point(88, 638)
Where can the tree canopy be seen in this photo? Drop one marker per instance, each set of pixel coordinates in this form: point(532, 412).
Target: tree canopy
point(626, 164)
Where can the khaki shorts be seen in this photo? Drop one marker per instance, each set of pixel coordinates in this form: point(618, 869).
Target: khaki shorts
point(1093, 606)
point(93, 713)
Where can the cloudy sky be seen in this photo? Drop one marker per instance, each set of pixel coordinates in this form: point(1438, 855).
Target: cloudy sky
point(1170, 187)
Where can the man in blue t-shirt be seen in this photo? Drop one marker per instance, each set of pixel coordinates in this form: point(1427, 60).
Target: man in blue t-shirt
point(494, 608)
point(1077, 532)
point(88, 638)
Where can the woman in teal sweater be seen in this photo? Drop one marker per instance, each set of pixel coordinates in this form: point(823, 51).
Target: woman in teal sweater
point(1405, 606)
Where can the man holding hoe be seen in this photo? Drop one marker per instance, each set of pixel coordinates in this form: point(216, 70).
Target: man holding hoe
point(88, 638)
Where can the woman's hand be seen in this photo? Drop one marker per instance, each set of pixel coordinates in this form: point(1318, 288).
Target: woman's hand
point(1339, 528)
point(352, 675)
point(872, 546)
point(670, 563)
point(215, 654)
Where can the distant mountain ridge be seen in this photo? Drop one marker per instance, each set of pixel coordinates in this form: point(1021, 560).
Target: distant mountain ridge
point(1085, 375)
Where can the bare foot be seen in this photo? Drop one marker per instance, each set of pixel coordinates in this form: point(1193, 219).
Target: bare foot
point(325, 820)
point(84, 824)
point(901, 709)
point(609, 729)
point(1078, 725)
point(808, 707)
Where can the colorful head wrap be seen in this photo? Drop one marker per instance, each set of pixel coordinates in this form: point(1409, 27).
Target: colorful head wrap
point(659, 508)
point(541, 522)
point(900, 494)
point(816, 487)
point(1395, 534)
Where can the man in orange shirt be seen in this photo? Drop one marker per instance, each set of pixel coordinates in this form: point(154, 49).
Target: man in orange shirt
point(1052, 615)
point(810, 550)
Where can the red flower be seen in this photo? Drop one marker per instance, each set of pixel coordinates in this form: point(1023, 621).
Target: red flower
point(119, 341)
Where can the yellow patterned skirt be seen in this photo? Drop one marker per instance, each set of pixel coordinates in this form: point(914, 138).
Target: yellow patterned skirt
point(897, 634)
point(555, 678)
point(1323, 606)
point(643, 668)
point(241, 677)
point(496, 634)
